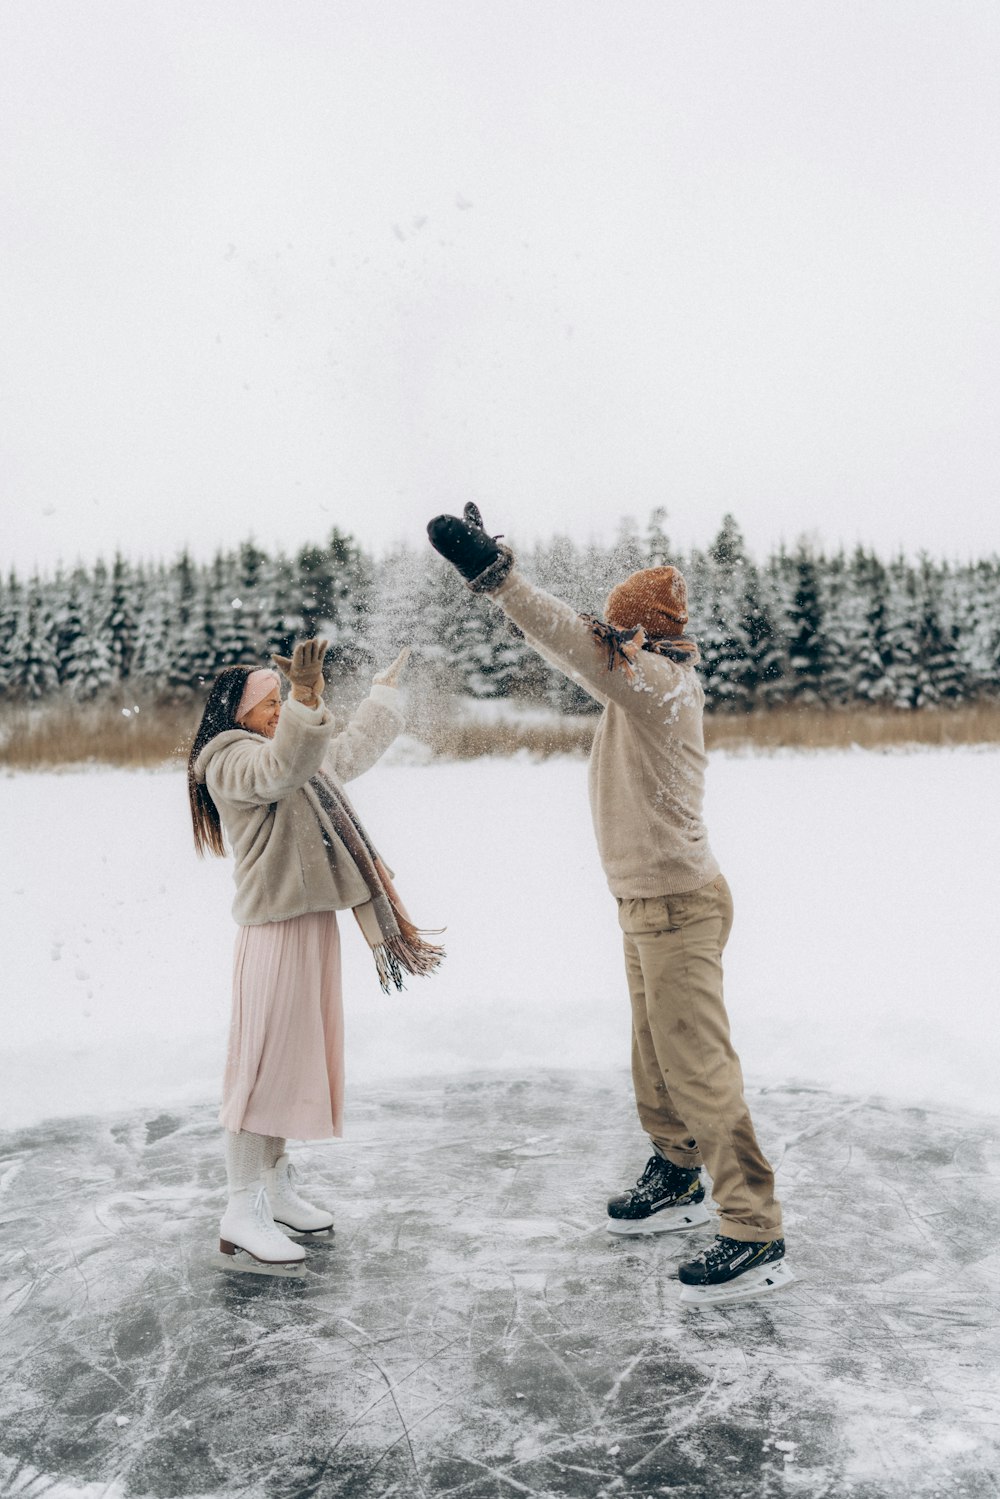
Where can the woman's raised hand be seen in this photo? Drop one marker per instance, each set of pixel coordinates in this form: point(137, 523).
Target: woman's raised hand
point(304, 670)
point(390, 676)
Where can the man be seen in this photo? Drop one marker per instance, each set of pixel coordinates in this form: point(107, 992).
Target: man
point(647, 769)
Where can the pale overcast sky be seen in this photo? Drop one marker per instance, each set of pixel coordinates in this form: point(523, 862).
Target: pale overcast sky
point(271, 267)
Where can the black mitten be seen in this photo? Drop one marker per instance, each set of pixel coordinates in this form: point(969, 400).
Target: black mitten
point(466, 546)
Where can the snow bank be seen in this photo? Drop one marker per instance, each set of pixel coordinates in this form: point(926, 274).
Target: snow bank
point(862, 958)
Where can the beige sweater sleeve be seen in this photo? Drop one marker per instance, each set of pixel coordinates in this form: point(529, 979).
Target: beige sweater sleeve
point(256, 772)
point(371, 730)
point(558, 633)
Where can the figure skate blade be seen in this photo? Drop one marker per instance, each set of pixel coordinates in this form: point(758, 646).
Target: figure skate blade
point(242, 1263)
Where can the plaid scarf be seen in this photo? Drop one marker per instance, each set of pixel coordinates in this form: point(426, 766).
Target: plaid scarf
point(623, 646)
point(397, 945)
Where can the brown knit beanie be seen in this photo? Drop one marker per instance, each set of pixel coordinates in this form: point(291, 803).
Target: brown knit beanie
point(655, 598)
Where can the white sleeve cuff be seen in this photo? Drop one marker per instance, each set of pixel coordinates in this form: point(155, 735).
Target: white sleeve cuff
point(317, 715)
point(384, 695)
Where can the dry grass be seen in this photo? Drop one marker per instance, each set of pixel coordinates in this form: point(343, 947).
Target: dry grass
point(467, 741)
point(781, 728)
point(847, 728)
point(59, 735)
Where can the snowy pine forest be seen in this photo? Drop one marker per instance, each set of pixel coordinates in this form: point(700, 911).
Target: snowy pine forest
point(800, 627)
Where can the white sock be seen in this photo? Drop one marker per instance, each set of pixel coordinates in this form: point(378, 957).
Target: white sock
point(274, 1149)
point(246, 1159)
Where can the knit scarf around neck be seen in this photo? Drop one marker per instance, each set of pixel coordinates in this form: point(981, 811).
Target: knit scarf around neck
point(623, 646)
point(397, 946)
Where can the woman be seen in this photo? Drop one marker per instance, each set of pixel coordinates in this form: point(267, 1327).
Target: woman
point(269, 777)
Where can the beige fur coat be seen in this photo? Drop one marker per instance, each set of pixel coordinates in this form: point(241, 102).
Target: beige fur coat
point(282, 848)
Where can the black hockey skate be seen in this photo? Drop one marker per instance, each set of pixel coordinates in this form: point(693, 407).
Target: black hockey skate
point(732, 1270)
point(666, 1198)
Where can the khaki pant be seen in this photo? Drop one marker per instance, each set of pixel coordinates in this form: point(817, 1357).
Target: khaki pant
point(687, 1077)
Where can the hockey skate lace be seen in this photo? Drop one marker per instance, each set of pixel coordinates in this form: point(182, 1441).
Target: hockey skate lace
point(650, 1177)
point(714, 1255)
point(653, 1179)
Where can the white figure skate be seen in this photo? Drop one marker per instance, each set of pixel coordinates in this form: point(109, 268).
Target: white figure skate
point(251, 1241)
point(288, 1209)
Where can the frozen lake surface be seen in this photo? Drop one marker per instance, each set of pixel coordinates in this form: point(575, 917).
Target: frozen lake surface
point(473, 1331)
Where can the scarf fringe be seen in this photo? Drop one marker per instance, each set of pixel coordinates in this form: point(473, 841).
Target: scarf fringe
point(396, 944)
point(405, 953)
point(623, 646)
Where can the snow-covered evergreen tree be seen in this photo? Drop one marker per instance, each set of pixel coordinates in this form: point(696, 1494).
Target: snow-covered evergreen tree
point(865, 608)
point(721, 580)
point(450, 631)
point(86, 667)
point(249, 575)
point(119, 623)
point(230, 616)
point(11, 594)
point(69, 615)
point(279, 618)
point(838, 613)
point(155, 631)
point(808, 654)
point(204, 646)
point(33, 670)
point(940, 675)
point(349, 601)
point(802, 627)
point(185, 591)
point(656, 542)
point(398, 583)
point(582, 577)
point(972, 599)
point(764, 674)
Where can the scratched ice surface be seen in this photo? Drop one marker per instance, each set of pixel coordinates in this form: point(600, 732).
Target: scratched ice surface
point(473, 1331)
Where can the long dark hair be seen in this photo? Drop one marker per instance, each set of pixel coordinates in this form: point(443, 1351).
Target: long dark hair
point(219, 715)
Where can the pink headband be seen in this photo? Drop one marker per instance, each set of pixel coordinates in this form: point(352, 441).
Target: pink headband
point(256, 687)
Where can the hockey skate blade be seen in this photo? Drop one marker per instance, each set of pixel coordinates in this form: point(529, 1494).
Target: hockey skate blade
point(669, 1221)
point(244, 1264)
point(748, 1287)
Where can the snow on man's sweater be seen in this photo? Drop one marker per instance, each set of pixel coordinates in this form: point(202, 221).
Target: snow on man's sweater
point(647, 764)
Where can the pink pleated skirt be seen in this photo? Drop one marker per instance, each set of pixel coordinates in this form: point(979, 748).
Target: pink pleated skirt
point(285, 1061)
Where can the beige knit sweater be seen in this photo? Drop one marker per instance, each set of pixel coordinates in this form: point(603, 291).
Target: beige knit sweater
point(283, 866)
point(647, 764)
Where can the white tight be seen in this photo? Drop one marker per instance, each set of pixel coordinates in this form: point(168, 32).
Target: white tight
point(248, 1157)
